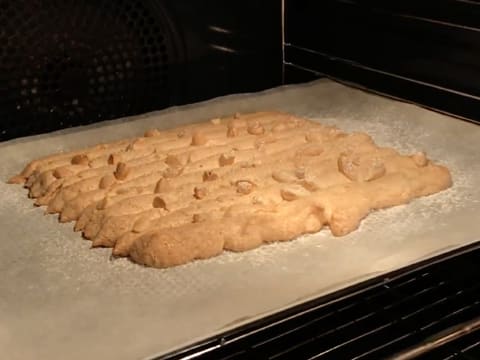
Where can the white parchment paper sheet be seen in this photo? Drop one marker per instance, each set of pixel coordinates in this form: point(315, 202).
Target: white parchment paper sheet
point(60, 299)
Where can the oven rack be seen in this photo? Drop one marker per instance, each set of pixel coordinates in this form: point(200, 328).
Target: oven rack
point(373, 320)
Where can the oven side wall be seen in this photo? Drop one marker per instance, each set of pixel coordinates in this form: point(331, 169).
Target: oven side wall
point(407, 49)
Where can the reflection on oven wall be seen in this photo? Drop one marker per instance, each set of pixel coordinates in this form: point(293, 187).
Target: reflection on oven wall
point(67, 63)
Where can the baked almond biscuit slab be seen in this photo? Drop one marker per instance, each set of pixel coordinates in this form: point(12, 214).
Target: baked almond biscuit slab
point(234, 183)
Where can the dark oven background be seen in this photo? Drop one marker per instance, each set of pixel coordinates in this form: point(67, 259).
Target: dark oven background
point(426, 52)
point(66, 63)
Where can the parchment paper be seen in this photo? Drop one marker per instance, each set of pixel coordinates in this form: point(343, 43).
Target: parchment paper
point(59, 299)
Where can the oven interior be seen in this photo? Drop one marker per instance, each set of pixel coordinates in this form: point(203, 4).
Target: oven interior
point(68, 63)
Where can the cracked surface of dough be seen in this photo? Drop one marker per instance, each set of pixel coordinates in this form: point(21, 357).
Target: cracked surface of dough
point(234, 183)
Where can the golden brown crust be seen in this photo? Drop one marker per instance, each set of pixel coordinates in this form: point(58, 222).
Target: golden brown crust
point(170, 197)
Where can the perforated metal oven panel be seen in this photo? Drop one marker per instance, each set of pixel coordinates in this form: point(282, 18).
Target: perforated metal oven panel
point(64, 63)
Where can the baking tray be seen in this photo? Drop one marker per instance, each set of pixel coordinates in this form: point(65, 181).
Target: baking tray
point(61, 299)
